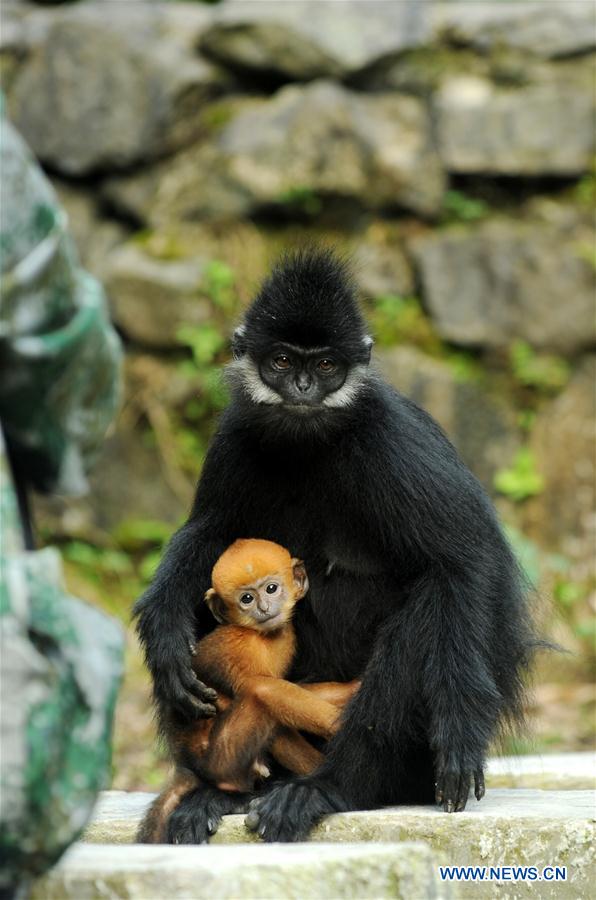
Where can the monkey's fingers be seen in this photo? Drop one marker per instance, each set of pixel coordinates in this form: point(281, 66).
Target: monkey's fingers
point(452, 790)
point(479, 788)
point(188, 696)
point(252, 817)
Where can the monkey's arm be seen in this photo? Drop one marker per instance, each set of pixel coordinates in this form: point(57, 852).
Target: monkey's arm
point(295, 753)
point(170, 614)
point(262, 705)
point(290, 748)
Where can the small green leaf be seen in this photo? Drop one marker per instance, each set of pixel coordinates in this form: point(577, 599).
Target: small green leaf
point(521, 480)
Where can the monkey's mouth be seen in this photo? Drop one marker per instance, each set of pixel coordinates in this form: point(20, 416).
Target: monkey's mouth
point(275, 620)
point(304, 408)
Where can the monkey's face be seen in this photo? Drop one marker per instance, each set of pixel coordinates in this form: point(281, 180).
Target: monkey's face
point(267, 604)
point(264, 604)
point(300, 380)
point(302, 348)
point(303, 379)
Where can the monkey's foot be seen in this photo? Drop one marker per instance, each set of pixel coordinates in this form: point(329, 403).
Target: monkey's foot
point(453, 788)
point(199, 813)
point(289, 811)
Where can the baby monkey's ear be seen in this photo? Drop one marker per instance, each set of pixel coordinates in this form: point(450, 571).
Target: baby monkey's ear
point(216, 605)
point(300, 578)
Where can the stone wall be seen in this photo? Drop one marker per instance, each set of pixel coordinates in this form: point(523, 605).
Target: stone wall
point(447, 146)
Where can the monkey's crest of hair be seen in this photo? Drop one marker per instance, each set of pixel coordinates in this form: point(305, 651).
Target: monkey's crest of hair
point(310, 299)
point(247, 560)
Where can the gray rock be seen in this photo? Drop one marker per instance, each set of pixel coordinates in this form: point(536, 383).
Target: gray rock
point(319, 139)
point(278, 872)
point(151, 298)
point(509, 827)
point(101, 93)
point(505, 280)
point(94, 235)
point(382, 267)
point(551, 771)
point(333, 141)
point(554, 29)
point(564, 443)
point(131, 478)
point(117, 814)
point(517, 131)
point(290, 41)
point(480, 424)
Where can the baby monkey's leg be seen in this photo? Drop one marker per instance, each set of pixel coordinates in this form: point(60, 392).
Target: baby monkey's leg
point(290, 748)
point(336, 692)
point(247, 727)
point(152, 829)
point(295, 753)
point(301, 706)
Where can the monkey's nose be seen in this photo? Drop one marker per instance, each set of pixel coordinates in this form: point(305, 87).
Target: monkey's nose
point(303, 382)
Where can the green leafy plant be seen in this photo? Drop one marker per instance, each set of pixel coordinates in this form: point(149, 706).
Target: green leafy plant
point(205, 342)
point(219, 285)
point(584, 192)
point(521, 480)
point(459, 207)
point(301, 199)
point(543, 371)
point(401, 320)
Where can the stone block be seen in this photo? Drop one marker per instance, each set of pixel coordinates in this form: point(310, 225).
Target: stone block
point(295, 871)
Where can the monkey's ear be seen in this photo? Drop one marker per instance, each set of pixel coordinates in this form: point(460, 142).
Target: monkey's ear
point(367, 343)
point(300, 578)
point(239, 342)
point(216, 605)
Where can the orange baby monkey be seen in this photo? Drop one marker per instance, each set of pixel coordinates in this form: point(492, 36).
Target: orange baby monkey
point(255, 586)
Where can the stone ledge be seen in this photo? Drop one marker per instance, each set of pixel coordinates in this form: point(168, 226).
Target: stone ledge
point(553, 771)
point(357, 854)
point(304, 871)
point(118, 813)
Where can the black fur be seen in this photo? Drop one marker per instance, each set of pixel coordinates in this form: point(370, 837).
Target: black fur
point(412, 584)
point(199, 814)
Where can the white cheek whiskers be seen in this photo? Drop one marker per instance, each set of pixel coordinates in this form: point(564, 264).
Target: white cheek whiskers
point(247, 373)
point(347, 393)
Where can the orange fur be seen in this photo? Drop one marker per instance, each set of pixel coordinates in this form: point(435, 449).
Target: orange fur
point(247, 560)
point(237, 653)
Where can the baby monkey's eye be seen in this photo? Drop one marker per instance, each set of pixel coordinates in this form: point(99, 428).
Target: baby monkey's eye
point(281, 362)
point(246, 599)
point(326, 365)
point(271, 588)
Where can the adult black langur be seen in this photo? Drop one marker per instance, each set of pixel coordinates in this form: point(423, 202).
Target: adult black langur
point(413, 587)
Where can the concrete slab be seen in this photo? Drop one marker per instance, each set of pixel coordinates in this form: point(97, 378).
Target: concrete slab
point(279, 871)
point(551, 771)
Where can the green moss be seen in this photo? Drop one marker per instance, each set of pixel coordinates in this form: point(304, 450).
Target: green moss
point(421, 71)
point(215, 116)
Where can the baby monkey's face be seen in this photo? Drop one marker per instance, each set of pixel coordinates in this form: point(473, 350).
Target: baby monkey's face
point(265, 603)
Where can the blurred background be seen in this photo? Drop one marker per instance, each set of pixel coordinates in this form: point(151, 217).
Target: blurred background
point(448, 147)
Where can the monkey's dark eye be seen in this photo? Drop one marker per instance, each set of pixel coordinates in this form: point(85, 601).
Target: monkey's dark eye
point(246, 599)
point(326, 365)
point(281, 362)
point(271, 588)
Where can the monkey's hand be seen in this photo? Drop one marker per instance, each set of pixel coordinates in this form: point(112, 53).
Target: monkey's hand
point(177, 688)
point(453, 787)
point(289, 811)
